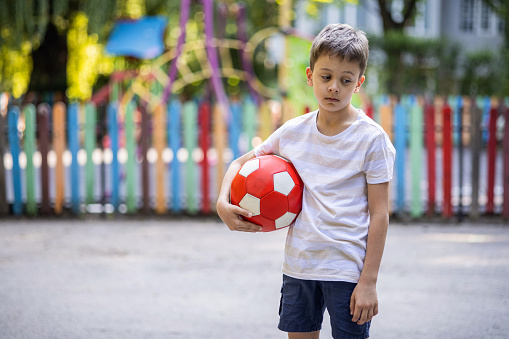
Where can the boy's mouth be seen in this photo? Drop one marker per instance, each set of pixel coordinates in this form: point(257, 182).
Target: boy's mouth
point(331, 99)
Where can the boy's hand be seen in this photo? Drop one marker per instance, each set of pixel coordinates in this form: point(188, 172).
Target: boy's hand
point(364, 303)
point(232, 217)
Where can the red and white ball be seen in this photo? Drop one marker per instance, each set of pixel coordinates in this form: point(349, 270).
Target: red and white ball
point(269, 187)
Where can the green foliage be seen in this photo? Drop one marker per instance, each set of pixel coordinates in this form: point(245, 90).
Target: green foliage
point(101, 15)
point(23, 25)
point(15, 66)
point(414, 65)
point(409, 65)
point(299, 93)
point(315, 7)
point(501, 8)
point(482, 74)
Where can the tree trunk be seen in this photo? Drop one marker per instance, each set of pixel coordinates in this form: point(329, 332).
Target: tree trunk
point(50, 63)
point(391, 28)
point(388, 22)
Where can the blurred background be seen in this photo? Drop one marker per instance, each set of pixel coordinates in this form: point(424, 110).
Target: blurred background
point(138, 106)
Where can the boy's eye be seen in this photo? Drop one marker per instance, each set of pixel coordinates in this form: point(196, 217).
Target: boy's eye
point(347, 81)
point(326, 77)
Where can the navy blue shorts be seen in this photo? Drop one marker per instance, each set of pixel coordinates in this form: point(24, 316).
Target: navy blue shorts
point(303, 304)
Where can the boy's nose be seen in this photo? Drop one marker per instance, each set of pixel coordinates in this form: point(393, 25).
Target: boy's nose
point(334, 89)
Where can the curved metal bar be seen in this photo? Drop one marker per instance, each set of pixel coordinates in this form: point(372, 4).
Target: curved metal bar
point(217, 84)
point(184, 17)
point(246, 64)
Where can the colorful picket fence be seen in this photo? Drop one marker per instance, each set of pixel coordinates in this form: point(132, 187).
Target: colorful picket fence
point(452, 155)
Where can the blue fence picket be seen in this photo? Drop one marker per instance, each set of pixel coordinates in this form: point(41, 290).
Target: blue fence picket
point(73, 140)
point(400, 140)
point(458, 106)
point(4, 207)
point(235, 128)
point(12, 126)
point(485, 105)
point(174, 140)
point(114, 167)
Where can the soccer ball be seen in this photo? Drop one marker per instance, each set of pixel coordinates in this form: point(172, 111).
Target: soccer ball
point(269, 187)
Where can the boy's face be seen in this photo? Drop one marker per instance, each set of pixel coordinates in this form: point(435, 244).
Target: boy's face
point(334, 81)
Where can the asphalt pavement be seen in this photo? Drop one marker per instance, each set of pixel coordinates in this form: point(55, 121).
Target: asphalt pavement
point(193, 278)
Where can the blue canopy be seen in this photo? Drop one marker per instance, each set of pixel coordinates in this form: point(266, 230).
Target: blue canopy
point(142, 38)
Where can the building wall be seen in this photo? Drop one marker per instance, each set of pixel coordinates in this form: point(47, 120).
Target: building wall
point(478, 38)
point(436, 18)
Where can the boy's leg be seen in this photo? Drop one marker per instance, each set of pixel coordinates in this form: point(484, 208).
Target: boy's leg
point(304, 335)
point(301, 309)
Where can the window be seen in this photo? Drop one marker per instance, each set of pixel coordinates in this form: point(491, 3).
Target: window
point(485, 16)
point(467, 15)
point(501, 25)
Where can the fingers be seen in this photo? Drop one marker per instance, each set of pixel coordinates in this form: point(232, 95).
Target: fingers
point(240, 211)
point(370, 315)
point(247, 227)
point(352, 307)
point(366, 315)
point(355, 310)
point(361, 314)
point(243, 225)
point(356, 317)
point(233, 216)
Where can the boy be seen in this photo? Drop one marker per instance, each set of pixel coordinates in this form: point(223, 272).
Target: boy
point(334, 248)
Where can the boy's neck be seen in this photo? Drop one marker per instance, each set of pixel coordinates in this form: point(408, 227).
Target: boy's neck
point(331, 124)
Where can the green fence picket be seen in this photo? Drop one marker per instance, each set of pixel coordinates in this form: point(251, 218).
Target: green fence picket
point(416, 147)
point(249, 122)
point(190, 112)
point(29, 145)
point(130, 144)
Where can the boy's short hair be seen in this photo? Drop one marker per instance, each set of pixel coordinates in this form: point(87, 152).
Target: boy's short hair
point(341, 41)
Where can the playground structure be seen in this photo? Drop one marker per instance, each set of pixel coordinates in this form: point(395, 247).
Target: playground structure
point(141, 149)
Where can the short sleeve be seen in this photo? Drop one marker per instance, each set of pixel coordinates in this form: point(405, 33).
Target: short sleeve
point(379, 161)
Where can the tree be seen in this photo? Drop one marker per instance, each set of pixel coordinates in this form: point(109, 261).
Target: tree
point(410, 63)
point(396, 20)
point(36, 30)
point(501, 7)
point(55, 35)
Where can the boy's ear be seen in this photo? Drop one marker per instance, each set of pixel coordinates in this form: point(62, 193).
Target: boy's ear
point(309, 75)
point(359, 84)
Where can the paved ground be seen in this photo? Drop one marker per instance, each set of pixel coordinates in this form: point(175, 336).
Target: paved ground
point(195, 279)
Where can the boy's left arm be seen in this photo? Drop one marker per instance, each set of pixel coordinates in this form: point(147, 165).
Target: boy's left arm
point(364, 301)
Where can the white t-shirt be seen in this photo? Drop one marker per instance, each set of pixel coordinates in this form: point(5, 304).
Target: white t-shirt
point(328, 239)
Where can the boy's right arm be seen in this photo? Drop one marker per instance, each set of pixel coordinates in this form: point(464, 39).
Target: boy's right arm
point(232, 214)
